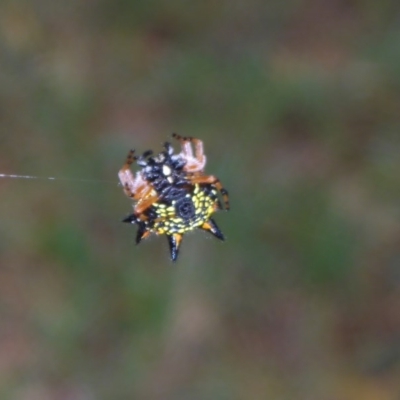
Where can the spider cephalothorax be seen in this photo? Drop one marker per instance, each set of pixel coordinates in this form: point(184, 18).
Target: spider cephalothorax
point(172, 194)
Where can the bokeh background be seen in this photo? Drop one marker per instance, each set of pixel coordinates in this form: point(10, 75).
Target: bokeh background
point(298, 105)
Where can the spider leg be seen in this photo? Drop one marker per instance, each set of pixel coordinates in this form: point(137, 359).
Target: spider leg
point(142, 159)
point(174, 242)
point(212, 227)
point(130, 183)
point(213, 180)
point(130, 158)
point(199, 152)
point(149, 199)
point(168, 147)
point(196, 162)
point(136, 187)
point(185, 143)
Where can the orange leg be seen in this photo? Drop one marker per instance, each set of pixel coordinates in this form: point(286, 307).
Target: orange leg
point(144, 196)
point(130, 158)
point(146, 202)
point(135, 187)
point(213, 180)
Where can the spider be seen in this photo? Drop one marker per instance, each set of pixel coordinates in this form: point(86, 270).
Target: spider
point(172, 195)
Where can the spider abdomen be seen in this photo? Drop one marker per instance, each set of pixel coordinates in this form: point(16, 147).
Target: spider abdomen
point(184, 213)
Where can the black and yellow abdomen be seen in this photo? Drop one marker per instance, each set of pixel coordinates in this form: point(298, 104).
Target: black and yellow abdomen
point(187, 210)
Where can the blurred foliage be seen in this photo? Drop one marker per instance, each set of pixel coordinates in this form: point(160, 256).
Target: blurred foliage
point(297, 103)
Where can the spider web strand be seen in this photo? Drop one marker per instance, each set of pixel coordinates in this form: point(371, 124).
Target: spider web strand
point(52, 178)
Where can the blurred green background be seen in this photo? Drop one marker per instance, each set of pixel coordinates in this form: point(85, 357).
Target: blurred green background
point(298, 106)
